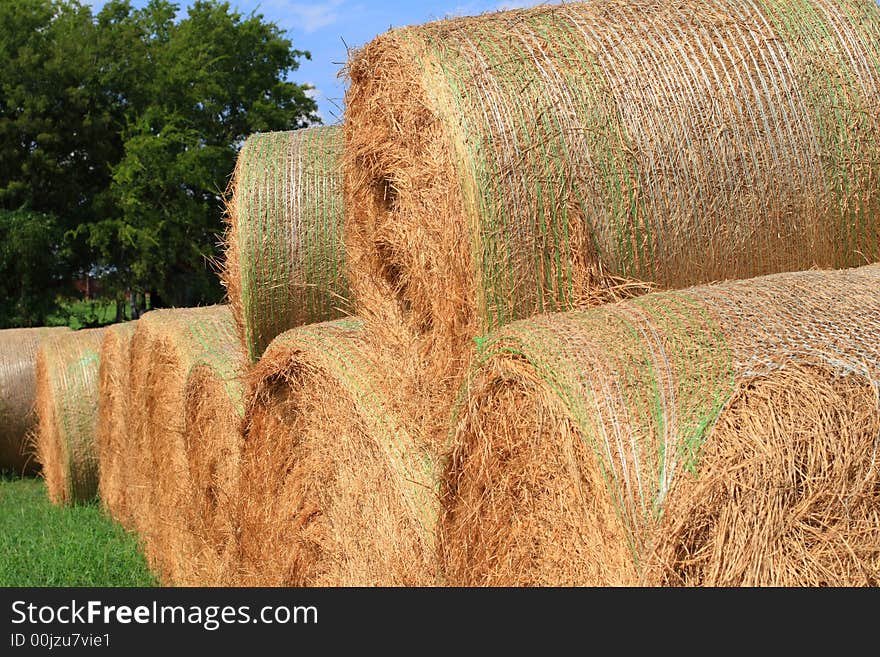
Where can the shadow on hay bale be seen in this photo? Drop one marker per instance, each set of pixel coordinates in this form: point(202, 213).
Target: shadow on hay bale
point(18, 389)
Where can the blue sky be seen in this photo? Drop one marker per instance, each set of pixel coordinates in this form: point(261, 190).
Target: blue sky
point(325, 27)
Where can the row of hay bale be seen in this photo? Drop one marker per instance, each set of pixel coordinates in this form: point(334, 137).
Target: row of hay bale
point(722, 434)
point(442, 361)
point(18, 390)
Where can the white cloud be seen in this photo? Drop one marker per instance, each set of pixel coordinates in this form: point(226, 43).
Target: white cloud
point(469, 9)
point(477, 8)
point(312, 16)
point(517, 4)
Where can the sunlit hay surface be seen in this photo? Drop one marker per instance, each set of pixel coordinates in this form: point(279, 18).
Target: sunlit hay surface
point(284, 260)
point(333, 489)
point(557, 157)
point(720, 435)
point(166, 347)
point(213, 435)
point(112, 437)
point(788, 493)
point(67, 414)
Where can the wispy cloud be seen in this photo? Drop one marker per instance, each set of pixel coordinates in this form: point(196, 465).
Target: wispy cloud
point(464, 10)
point(518, 4)
point(476, 8)
point(311, 17)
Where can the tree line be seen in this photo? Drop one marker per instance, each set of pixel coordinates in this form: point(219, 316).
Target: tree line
point(119, 131)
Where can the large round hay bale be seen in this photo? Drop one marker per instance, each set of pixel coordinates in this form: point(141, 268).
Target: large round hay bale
point(67, 414)
point(534, 160)
point(285, 257)
point(18, 359)
point(167, 347)
point(334, 489)
point(112, 438)
point(720, 435)
point(213, 434)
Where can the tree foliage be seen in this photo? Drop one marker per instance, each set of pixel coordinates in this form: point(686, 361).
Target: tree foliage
point(30, 264)
point(119, 132)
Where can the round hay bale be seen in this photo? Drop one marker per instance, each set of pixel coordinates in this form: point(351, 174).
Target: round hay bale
point(18, 358)
point(721, 435)
point(67, 414)
point(285, 257)
point(112, 438)
point(535, 160)
point(166, 348)
point(334, 489)
point(214, 416)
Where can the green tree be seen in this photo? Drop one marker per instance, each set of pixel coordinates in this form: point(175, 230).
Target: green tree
point(30, 267)
point(205, 83)
point(123, 127)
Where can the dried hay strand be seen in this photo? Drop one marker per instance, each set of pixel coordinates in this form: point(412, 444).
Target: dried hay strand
point(722, 435)
point(18, 385)
point(335, 490)
point(526, 161)
point(67, 414)
point(112, 438)
point(285, 256)
point(214, 416)
point(166, 348)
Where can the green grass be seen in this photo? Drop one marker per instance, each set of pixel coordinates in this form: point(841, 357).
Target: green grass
point(81, 313)
point(45, 545)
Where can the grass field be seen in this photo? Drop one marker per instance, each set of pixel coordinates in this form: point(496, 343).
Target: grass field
point(84, 313)
point(44, 545)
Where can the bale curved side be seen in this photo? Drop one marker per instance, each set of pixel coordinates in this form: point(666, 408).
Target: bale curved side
point(642, 443)
point(166, 347)
point(18, 359)
point(141, 487)
point(284, 256)
point(529, 161)
point(214, 417)
point(791, 475)
point(335, 491)
point(67, 414)
point(112, 438)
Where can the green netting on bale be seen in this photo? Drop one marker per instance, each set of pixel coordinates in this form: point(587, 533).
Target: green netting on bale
point(644, 381)
point(339, 349)
point(212, 341)
point(71, 366)
point(672, 142)
point(18, 357)
point(285, 252)
point(170, 347)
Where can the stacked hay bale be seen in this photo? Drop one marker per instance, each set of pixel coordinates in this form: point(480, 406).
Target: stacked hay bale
point(214, 405)
point(545, 159)
point(18, 359)
point(286, 268)
point(168, 349)
point(285, 258)
point(720, 435)
point(115, 465)
point(67, 412)
point(501, 167)
point(335, 489)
